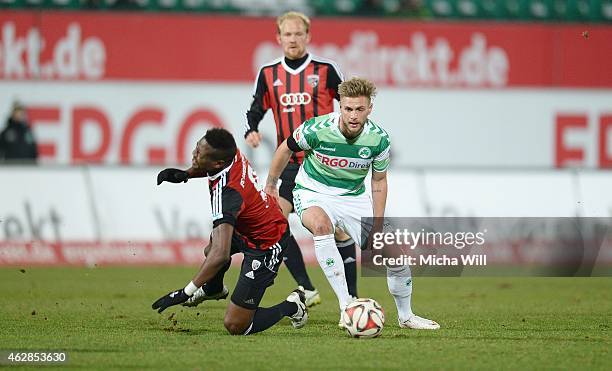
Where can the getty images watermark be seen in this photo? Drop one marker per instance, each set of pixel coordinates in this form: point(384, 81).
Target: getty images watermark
point(488, 246)
point(404, 238)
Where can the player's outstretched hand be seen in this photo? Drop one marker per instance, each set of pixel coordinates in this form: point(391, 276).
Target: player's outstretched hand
point(170, 299)
point(172, 175)
point(272, 191)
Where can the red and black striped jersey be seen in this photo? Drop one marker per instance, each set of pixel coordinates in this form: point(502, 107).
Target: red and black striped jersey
point(293, 94)
point(237, 199)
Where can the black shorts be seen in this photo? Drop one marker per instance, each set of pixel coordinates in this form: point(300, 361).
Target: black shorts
point(288, 182)
point(259, 268)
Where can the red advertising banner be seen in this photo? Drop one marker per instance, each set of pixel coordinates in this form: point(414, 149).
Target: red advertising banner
point(93, 253)
point(69, 46)
point(118, 252)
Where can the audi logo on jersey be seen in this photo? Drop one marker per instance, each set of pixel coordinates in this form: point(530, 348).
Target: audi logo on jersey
point(294, 99)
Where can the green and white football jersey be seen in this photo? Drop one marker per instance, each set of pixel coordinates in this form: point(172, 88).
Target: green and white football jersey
point(333, 164)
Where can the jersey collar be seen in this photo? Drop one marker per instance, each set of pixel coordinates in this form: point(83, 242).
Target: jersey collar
point(301, 68)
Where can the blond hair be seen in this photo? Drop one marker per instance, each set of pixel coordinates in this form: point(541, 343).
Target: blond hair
point(293, 15)
point(357, 87)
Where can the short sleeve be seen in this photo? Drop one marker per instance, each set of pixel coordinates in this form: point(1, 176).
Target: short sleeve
point(226, 206)
point(305, 137)
point(382, 159)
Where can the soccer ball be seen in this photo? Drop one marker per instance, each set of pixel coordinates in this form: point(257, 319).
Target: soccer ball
point(363, 318)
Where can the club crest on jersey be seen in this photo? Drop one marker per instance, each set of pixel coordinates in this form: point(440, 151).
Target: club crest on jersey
point(313, 80)
point(364, 152)
point(255, 264)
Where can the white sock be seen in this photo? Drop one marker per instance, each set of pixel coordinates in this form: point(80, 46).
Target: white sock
point(330, 261)
point(399, 281)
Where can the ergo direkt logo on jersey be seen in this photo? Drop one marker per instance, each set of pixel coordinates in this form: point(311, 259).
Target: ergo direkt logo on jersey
point(341, 162)
point(295, 99)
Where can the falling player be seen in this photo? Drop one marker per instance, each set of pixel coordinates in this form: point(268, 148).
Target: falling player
point(245, 220)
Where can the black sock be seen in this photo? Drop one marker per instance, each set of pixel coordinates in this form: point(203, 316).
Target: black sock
point(265, 318)
point(215, 284)
point(348, 252)
point(295, 263)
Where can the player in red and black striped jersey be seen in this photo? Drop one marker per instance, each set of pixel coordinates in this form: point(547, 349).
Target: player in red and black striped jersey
point(295, 90)
point(245, 220)
point(297, 87)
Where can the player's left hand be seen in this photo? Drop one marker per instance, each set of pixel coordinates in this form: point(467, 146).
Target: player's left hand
point(253, 139)
point(172, 298)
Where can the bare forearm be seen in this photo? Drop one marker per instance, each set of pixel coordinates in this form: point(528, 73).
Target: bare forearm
point(279, 162)
point(209, 268)
point(217, 254)
point(379, 197)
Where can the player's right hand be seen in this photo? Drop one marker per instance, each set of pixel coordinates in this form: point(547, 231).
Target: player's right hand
point(172, 298)
point(377, 226)
point(172, 175)
point(272, 191)
point(253, 139)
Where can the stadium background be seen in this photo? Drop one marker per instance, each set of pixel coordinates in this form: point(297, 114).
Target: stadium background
point(495, 108)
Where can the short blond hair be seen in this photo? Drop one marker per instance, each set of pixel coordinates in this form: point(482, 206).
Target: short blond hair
point(357, 87)
point(293, 15)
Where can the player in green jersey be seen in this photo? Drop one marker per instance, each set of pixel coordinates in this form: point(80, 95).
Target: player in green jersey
point(340, 148)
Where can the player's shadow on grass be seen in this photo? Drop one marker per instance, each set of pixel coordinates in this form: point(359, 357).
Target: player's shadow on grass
point(281, 332)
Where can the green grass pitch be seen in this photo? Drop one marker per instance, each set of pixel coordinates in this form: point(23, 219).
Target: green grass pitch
point(102, 318)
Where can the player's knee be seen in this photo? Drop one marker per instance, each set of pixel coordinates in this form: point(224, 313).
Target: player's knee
point(322, 228)
point(234, 327)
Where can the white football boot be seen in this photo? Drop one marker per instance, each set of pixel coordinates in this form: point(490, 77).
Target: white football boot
point(419, 323)
point(200, 295)
point(312, 297)
point(297, 296)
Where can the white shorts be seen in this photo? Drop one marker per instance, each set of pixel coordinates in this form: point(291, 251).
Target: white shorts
point(345, 212)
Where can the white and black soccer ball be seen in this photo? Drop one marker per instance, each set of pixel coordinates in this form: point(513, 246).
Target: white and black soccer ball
point(363, 318)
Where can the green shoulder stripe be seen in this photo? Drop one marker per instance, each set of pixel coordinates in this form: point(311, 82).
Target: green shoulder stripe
point(317, 123)
point(374, 128)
